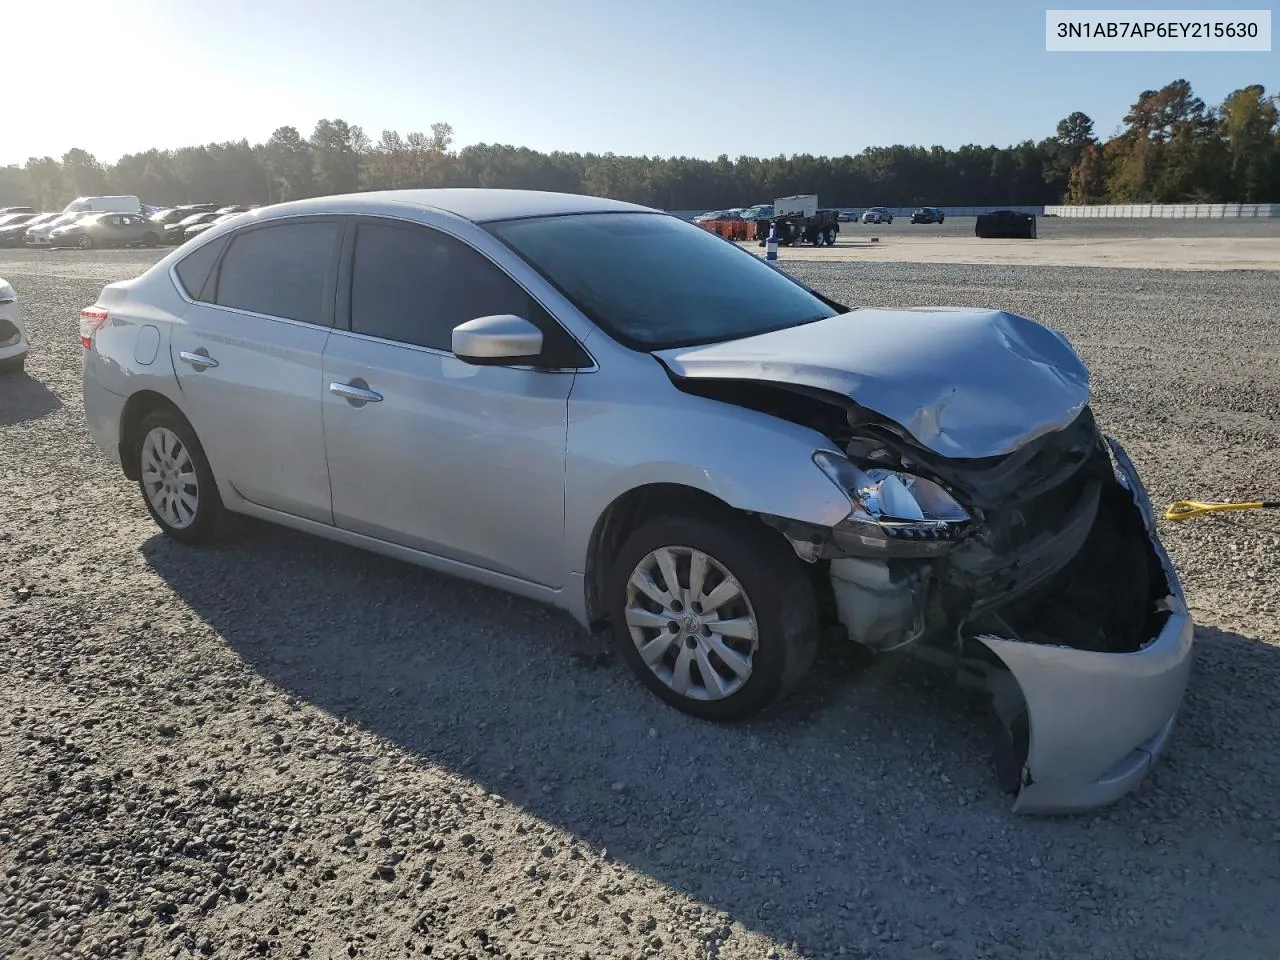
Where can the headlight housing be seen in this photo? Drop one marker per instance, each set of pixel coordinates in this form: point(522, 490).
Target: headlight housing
point(894, 513)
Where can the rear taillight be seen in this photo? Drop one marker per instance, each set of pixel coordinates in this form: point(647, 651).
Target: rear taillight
point(92, 320)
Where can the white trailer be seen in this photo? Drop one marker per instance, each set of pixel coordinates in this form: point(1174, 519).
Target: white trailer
point(802, 204)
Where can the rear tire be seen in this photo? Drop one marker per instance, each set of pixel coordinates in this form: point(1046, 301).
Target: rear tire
point(174, 478)
point(84, 242)
point(758, 595)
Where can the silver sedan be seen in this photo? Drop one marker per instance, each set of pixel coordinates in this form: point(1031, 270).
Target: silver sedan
point(601, 407)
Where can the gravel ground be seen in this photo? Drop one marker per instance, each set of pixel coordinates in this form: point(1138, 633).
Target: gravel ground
point(280, 747)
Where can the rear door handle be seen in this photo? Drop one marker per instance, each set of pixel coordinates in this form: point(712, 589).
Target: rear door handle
point(355, 393)
point(198, 360)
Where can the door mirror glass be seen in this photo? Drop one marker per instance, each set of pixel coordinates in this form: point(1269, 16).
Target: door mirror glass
point(497, 340)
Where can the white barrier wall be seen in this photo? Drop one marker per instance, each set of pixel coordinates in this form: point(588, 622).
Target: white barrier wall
point(1177, 211)
point(905, 211)
point(1174, 211)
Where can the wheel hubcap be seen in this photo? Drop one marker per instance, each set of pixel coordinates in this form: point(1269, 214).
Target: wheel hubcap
point(691, 622)
point(169, 478)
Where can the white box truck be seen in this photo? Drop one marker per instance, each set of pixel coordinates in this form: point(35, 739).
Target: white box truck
point(122, 204)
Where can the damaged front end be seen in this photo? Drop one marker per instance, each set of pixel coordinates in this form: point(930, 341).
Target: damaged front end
point(1051, 594)
point(1035, 577)
point(994, 531)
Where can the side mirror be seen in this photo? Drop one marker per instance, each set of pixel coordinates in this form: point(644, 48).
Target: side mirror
point(497, 341)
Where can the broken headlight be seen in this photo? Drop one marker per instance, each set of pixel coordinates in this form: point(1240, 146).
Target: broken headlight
point(894, 513)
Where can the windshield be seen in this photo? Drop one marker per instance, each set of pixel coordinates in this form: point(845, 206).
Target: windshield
point(652, 281)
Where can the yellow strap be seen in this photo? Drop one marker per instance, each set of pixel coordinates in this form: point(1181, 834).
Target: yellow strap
point(1191, 508)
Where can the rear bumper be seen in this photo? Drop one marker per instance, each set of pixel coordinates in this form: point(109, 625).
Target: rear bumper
point(103, 411)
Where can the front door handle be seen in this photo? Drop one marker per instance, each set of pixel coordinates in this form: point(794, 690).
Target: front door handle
point(198, 360)
point(355, 393)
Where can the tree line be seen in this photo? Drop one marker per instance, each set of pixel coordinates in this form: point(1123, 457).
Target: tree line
point(1172, 149)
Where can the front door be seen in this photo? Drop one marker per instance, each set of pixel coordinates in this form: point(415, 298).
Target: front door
point(424, 450)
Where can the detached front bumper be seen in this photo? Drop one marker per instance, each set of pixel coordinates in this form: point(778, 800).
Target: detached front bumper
point(1098, 721)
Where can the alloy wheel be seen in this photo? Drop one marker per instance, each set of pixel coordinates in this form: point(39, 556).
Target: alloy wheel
point(169, 478)
point(691, 622)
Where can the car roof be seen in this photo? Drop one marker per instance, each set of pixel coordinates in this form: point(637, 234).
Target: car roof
point(476, 204)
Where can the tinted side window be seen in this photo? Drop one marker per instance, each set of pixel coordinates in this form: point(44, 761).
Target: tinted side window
point(193, 269)
point(279, 270)
point(414, 285)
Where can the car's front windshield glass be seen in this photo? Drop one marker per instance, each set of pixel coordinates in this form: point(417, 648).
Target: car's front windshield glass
point(653, 281)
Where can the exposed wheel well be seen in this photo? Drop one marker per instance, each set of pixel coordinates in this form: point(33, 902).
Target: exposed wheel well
point(628, 512)
point(138, 406)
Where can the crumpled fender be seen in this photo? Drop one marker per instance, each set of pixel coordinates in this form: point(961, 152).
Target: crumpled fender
point(1097, 721)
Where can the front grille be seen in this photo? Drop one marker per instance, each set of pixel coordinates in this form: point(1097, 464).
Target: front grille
point(990, 574)
point(1037, 510)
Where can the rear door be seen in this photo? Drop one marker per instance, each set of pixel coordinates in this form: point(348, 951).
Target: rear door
point(462, 461)
point(247, 354)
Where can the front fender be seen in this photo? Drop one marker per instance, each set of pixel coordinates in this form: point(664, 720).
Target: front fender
point(627, 432)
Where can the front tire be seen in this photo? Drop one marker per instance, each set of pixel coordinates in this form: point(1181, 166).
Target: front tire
point(744, 614)
point(84, 242)
point(174, 478)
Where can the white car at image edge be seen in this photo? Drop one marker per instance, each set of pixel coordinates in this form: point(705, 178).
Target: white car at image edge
point(13, 335)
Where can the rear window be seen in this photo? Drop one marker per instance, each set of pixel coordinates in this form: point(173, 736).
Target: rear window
point(652, 281)
point(280, 270)
point(193, 269)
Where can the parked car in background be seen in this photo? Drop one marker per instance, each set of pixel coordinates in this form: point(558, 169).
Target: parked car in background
point(174, 214)
point(927, 215)
point(13, 334)
point(926, 481)
point(5, 210)
point(175, 233)
point(13, 234)
point(237, 208)
point(37, 234)
point(199, 228)
point(107, 230)
point(13, 219)
point(877, 215)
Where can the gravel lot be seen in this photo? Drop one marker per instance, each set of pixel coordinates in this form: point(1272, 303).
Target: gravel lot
point(281, 747)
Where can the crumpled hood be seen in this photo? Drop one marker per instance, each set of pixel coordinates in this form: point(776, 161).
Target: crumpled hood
point(963, 382)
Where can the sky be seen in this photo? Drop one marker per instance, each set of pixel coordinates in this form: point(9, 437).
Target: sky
point(665, 77)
